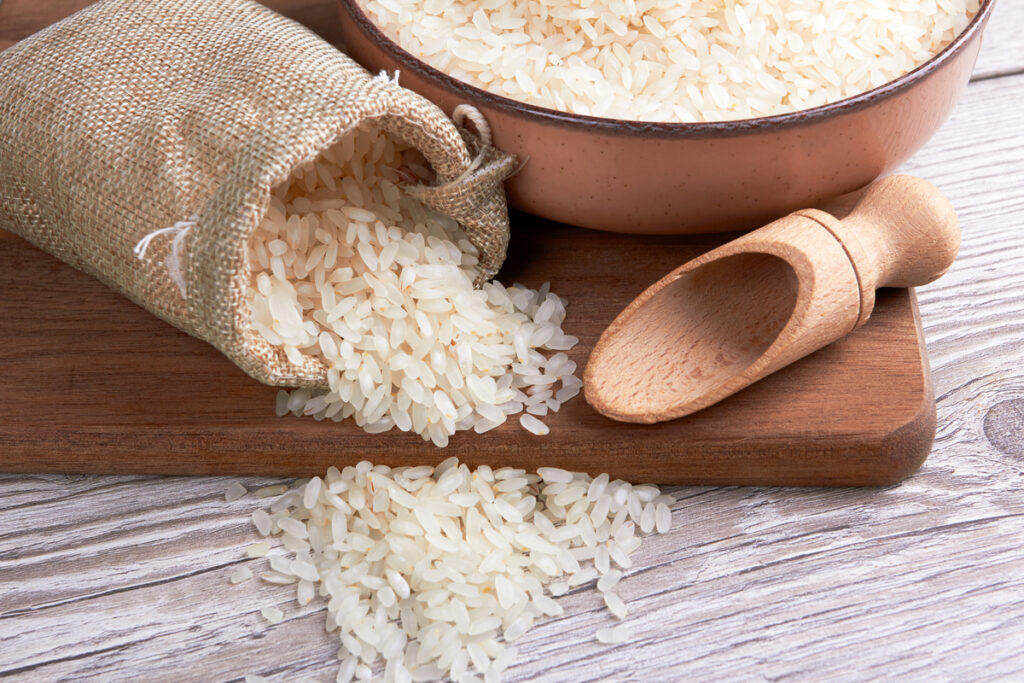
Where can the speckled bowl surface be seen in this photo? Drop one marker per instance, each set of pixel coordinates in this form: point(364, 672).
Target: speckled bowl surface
point(628, 176)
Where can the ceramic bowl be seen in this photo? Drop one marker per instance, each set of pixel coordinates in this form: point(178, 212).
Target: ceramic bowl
point(680, 178)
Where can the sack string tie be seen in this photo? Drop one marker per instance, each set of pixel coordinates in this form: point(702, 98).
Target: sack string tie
point(175, 256)
point(483, 131)
point(459, 116)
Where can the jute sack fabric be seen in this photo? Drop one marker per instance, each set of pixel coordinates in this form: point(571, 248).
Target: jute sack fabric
point(140, 139)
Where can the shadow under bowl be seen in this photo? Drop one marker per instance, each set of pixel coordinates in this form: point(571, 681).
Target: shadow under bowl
point(687, 178)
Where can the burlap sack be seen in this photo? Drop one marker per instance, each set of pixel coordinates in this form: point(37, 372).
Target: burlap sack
point(173, 119)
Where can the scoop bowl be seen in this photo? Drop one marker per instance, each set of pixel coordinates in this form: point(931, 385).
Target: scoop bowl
point(754, 305)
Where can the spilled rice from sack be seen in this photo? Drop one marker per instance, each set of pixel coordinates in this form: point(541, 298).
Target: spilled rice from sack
point(349, 270)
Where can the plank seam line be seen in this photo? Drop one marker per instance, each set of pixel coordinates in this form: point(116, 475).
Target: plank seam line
point(103, 539)
point(129, 480)
point(69, 658)
point(997, 74)
point(671, 559)
point(114, 591)
point(973, 380)
point(906, 534)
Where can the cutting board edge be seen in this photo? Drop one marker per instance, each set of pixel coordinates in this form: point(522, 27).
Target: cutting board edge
point(886, 458)
point(883, 456)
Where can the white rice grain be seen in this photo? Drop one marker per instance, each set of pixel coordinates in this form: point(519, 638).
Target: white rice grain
point(272, 614)
point(241, 574)
point(257, 549)
point(533, 425)
point(615, 604)
point(618, 634)
point(234, 491)
point(663, 517)
point(270, 491)
point(608, 580)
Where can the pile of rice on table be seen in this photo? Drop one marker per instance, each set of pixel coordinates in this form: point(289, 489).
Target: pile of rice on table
point(438, 570)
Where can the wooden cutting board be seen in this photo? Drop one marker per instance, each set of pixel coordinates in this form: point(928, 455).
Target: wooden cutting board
point(89, 382)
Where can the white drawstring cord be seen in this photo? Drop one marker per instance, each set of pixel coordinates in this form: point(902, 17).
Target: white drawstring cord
point(483, 129)
point(468, 111)
point(174, 258)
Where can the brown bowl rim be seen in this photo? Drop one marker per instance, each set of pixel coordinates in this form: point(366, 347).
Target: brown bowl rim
point(665, 129)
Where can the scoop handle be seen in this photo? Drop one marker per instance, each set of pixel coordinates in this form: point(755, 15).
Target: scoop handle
point(901, 232)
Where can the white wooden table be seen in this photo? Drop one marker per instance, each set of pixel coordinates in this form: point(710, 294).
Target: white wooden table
point(115, 577)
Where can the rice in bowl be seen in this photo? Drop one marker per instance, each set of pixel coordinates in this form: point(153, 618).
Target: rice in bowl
point(662, 60)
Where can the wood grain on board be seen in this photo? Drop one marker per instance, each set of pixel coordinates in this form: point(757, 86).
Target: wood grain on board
point(96, 384)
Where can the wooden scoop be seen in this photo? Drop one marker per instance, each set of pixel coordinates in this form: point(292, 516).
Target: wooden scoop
point(742, 311)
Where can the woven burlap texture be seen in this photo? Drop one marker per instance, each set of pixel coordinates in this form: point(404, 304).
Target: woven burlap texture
point(136, 115)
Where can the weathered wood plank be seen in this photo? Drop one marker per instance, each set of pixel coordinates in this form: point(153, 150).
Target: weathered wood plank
point(732, 567)
point(118, 577)
point(1002, 52)
point(137, 523)
point(126, 577)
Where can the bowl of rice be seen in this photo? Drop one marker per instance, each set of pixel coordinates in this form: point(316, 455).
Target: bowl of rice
point(656, 116)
